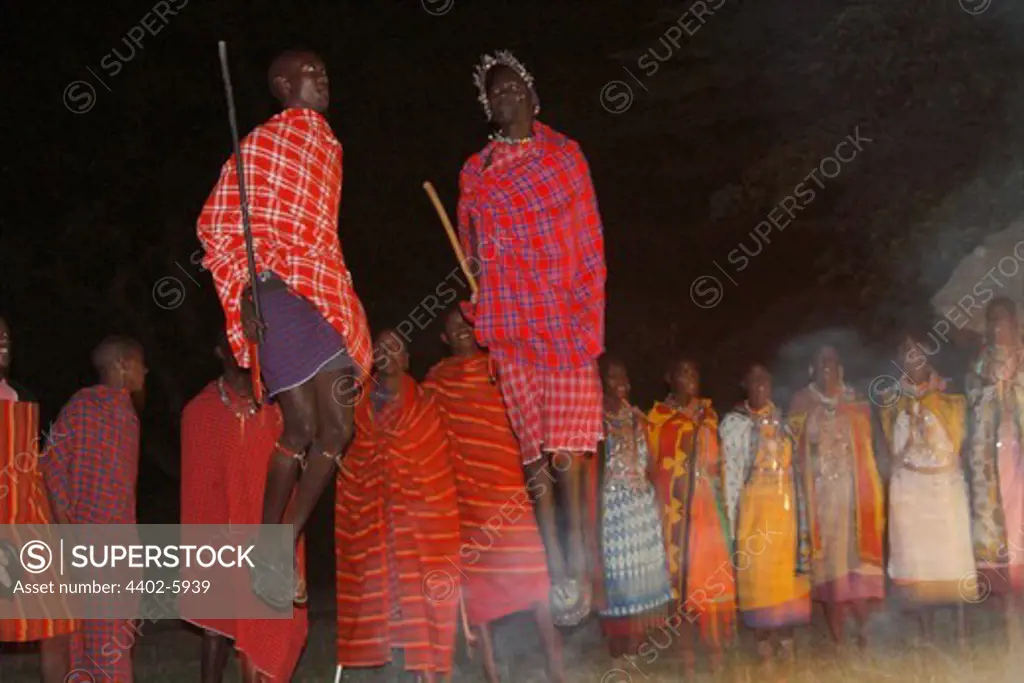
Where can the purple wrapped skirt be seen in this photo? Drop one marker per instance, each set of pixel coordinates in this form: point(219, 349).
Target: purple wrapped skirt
point(298, 343)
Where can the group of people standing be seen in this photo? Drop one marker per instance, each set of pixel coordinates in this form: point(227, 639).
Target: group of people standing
point(446, 489)
point(783, 510)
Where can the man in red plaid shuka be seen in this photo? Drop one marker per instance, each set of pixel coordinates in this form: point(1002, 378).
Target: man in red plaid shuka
point(528, 215)
point(91, 469)
point(315, 341)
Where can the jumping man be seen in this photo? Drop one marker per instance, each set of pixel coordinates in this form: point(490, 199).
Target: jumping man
point(528, 196)
point(316, 341)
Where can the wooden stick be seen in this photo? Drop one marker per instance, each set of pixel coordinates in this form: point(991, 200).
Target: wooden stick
point(432, 193)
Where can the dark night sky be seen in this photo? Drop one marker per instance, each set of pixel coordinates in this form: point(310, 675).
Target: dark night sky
point(100, 206)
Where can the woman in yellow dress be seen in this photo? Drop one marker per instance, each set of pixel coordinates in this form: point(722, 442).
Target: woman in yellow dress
point(767, 512)
point(684, 433)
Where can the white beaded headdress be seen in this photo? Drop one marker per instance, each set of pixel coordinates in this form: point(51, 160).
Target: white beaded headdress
point(503, 58)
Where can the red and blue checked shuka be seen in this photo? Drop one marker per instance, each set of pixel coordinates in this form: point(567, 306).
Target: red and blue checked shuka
point(528, 214)
point(504, 566)
point(23, 501)
point(91, 469)
point(397, 535)
point(293, 173)
point(225, 453)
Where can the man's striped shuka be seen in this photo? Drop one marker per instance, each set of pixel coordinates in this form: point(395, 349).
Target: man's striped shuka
point(504, 568)
point(397, 536)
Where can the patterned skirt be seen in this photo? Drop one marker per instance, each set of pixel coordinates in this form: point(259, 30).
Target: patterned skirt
point(633, 552)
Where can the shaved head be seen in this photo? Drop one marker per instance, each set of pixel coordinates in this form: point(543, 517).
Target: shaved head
point(298, 80)
point(113, 350)
point(120, 362)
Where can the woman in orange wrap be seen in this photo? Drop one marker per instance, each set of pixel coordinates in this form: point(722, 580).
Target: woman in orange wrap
point(397, 527)
point(684, 440)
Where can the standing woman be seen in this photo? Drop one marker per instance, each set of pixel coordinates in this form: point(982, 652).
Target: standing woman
point(635, 572)
point(684, 439)
point(845, 497)
point(929, 514)
point(768, 514)
point(996, 392)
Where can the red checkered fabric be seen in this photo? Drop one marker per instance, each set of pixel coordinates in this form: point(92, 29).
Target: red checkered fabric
point(91, 464)
point(293, 183)
point(528, 214)
point(552, 410)
point(101, 651)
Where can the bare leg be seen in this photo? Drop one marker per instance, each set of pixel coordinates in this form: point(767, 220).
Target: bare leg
point(55, 658)
point(687, 641)
point(551, 640)
point(541, 486)
point(961, 627)
point(487, 642)
point(570, 485)
point(250, 674)
point(787, 646)
point(298, 407)
point(924, 619)
point(764, 646)
point(333, 433)
point(214, 658)
point(835, 615)
point(861, 612)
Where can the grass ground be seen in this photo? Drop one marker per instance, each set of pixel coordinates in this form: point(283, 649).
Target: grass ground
point(169, 653)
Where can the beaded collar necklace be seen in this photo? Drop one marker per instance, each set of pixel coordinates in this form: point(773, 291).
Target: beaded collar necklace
point(241, 414)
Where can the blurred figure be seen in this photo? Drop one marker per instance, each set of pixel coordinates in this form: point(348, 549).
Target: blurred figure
point(636, 586)
point(930, 549)
point(768, 512)
point(684, 442)
point(996, 393)
point(845, 496)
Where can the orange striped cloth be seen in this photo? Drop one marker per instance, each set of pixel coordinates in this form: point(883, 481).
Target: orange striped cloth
point(504, 566)
point(23, 500)
point(397, 536)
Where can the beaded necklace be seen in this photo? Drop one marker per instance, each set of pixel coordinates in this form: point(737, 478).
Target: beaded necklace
point(241, 414)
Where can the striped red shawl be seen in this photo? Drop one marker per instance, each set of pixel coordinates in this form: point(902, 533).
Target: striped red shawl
point(397, 537)
point(504, 567)
point(23, 501)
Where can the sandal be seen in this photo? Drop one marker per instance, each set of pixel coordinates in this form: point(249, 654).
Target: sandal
point(570, 603)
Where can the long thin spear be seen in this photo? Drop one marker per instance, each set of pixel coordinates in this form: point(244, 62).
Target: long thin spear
point(257, 386)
